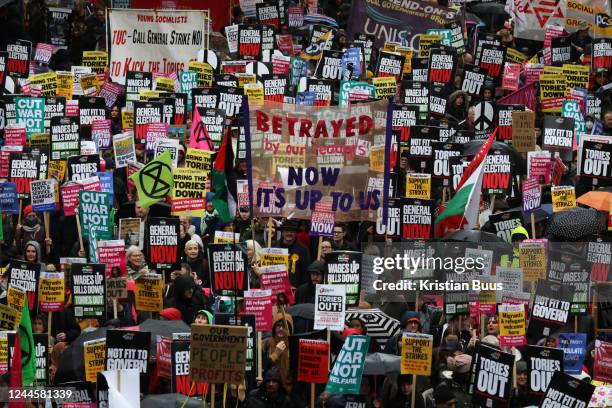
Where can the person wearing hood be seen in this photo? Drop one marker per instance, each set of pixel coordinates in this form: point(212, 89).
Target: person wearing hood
point(519, 396)
point(276, 349)
point(488, 92)
point(400, 395)
point(518, 235)
point(457, 105)
point(410, 323)
point(186, 298)
point(306, 293)
point(31, 252)
point(31, 230)
point(271, 393)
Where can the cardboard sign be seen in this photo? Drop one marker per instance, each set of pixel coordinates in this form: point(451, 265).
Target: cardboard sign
point(88, 290)
point(492, 380)
point(345, 376)
point(511, 325)
point(542, 363)
point(149, 293)
point(329, 307)
point(523, 131)
point(94, 355)
point(313, 361)
point(218, 354)
point(161, 240)
point(550, 310)
point(563, 198)
point(416, 354)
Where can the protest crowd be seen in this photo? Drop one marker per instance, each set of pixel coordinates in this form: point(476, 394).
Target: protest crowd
point(222, 204)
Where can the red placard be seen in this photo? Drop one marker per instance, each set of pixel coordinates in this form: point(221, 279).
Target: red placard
point(275, 278)
point(510, 81)
point(259, 303)
point(603, 361)
point(313, 361)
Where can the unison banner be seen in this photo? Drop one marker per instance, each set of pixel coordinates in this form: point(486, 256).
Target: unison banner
point(292, 148)
point(154, 40)
point(398, 22)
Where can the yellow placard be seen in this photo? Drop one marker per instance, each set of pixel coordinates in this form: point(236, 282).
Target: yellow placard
point(4, 352)
point(389, 46)
point(204, 70)
point(515, 56)
point(426, 42)
point(255, 93)
point(269, 259)
point(408, 53)
point(57, 169)
point(197, 159)
point(512, 323)
point(145, 94)
point(64, 85)
point(94, 354)
point(51, 290)
point(149, 293)
point(416, 354)
point(87, 82)
point(552, 87)
point(563, 198)
point(553, 70)
point(8, 318)
point(385, 86)
point(127, 118)
point(225, 237)
point(39, 139)
point(377, 157)
point(244, 79)
point(532, 258)
point(576, 76)
point(96, 60)
point(189, 192)
point(418, 186)
point(164, 84)
point(46, 81)
point(15, 299)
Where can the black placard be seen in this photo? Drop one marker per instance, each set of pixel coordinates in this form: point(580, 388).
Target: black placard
point(438, 98)
point(601, 54)
point(595, 162)
point(65, 137)
point(268, 13)
point(492, 380)
point(129, 349)
point(439, 167)
point(145, 112)
point(329, 66)
point(497, 177)
point(250, 38)
point(504, 121)
point(558, 136)
point(323, 90)
point(230, 100)
point(23, 168)
point(90, 109)
point(542, 363)
point(492, 60)
point(417, 218)
point(550, 311)
point(564, 391)
point(344, 268)
point(83, 167)
point(24, 276)
point(88, 290)
point(442, 65)
point(504, 223)
point(275, 87)
point(18, 62)
point(161, 242)
point(228, 272)
point(561, 50)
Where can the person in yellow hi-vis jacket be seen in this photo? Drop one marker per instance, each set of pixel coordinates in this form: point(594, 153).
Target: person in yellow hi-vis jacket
point(518, 234)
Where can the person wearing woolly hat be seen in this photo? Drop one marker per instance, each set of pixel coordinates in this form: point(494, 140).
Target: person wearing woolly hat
point(306, 292)
point(170, 313)
point(203, 317)
point(31, 229)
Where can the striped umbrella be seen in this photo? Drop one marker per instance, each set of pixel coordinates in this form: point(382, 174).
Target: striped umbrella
point(320, 19)
point(380, 326)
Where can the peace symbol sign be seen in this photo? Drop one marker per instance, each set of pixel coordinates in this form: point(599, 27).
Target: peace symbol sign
point(484, 115)
point(26, 354)
point(154, 173)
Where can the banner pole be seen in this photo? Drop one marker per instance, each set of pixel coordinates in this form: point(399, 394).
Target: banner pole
point(114, 308)
point(212, 395)
point(319, 248)
point(329, 349)
point(259, 355)
point(312, 395)
point(20, 209)
point(533, 229)
point(78, 220)
point(269, 229)
point(413, 393)
point(46, 216)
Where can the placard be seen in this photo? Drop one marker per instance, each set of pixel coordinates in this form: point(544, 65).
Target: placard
point(511, 325)
point(563, 198)
point(313, 361)
point(329, 307)
point(94, 356)
point(345, 376)
point(149, 293)
point(417, 350)
point(88, 290)
point(218, 354)
point(227, 264)
point(161, 242)
point(492, 380)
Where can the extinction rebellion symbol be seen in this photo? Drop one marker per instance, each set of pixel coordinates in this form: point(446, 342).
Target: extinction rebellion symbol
point(152, 179)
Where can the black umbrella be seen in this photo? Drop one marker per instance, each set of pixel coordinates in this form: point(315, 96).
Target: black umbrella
point(539, 215)
point(71, 366)
point(170, 401)
point(162, 328)
point(476, 236)
point(488, 9)
point(381, 364)
point(575, 223)
point(303, 310)
point(519, 163)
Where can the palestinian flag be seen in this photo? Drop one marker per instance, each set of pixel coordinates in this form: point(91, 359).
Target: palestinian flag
point(462, 210)
point(223, 180)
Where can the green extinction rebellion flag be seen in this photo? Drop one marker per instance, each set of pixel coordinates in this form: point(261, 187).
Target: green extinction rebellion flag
point(95, 210)
point(345, 377)
point(155, 180)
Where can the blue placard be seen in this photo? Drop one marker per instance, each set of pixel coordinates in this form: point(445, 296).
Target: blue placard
point(106, 183)
point(574, 350)
point(8, 198)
